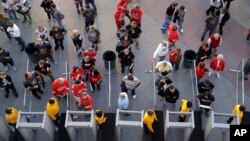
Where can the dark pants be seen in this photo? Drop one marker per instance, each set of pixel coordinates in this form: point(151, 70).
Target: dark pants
point(92, 2)
point(175, 65)
point(124, 89)
point(88, 23)
point(7, 33)
point(182, 118)
point(56, 121)
point(34, 92)
point(221, 28)
point(12, 88)
point(79, 4)
point(211, 9)
point(129, 69)
point(49, 14)
point(210, 30)
point(93, 85)
point(248, 36)
point(20, 42)
point(10, 62)
point(49, 75)
point(58, 43)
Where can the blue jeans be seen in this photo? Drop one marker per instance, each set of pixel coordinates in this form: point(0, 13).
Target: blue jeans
point(20, 41)
point(12, 14)
point(175, 66)
point(60, 23)
point(211, 31)
point(162, 58)
point(92, 2)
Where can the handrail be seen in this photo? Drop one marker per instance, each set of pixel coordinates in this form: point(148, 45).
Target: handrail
point(109, 86)
point(68, 95)
point(192, 82)
point(242, 82)
point(25, 91)
point(154, 89)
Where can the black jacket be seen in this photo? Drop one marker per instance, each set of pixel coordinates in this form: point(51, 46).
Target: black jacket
point(171, 97)
point(225, 18)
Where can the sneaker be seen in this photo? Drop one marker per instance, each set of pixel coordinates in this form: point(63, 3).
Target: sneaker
point(56, 48)
point(209, 73)
point(218, 75)
point(14, 68)
point(62, 48)
point(24, 20)
point(6, 68)
point(134, 96)
point(55, 62)
point(6, 95)
point(182, 30)
point(137, 45)
point(30, 21)
point(15, 94)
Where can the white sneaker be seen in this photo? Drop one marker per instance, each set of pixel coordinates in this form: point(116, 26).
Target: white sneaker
point(134, 96)
point(209, 73)
point(14, 68)
point(182, 30)
point(218, 75)
point(6, 68)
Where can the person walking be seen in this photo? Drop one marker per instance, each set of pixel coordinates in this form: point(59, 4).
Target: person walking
point(161, 51)
point(127, 59)
point(46, 5)
point(179, 17)
point(77, 73)
point(57, 33)
point(149, 120)
point(214, 6)
point(7, 84)
point(60, 87)
point(77, 40)
point(210, 25)
point(32, 83)
point(203, 53)
point(171, 95)
point(123, 101)
point(134, 31)
point(207, 100)
point(185, 107)
point(175, 56)
point(4, 26)
point(95, 79)
point(89, 15)
point(93, 35)
point(223, 17)
point(8, 7)
point(14, 31)
point(92, 2)
point(78, 88)
point(201, 71)
point(59, 16)
point(170, 11)
point(130, 82)
point(136, 14)
point(44, 50)
point(217, 65)
point(11, 115)
point(52, 109)
point(204, 86)
point(44, 69)
point(78, 4)
point(86, 102)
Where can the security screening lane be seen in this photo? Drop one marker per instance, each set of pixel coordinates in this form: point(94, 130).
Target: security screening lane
point(79, 125)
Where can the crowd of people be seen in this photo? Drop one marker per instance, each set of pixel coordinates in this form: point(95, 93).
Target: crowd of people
point(166, 57)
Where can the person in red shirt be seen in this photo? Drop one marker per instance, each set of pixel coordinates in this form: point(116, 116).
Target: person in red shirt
point(124, 4)
point(91, 53)
point(173, 35)
point(95, 78)
point(214, 41)
point(78, 88)
point(217, 65)
point(201, 70)
point(77, 73)
point(136, 14)
point(60, 87)
point(119, 19)
point(86, 102)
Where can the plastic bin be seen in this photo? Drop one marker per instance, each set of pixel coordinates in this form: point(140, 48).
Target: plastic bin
point(109, 56)
point(32, 54)
point(189, 57)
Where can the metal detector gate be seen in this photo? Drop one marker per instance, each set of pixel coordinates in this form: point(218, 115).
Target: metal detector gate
point(75, 123)
point(5, 130)
point(122, 123)
point(211, 124)
point(29, 123)
point(187, 126)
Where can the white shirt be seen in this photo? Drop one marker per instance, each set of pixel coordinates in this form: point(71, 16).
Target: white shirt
point(161, 50)
point(8, 5)
point(14, 31)
point(42, 34)
point(216, 3)
point(220, 17)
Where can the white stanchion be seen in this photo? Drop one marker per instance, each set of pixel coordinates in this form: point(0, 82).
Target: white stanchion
point(242, 82)
point(154, 89)
point(25, 91)
point(68, 95)
point(109, 86)
point(192, 82)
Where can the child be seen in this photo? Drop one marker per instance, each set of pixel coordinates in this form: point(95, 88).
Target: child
point(100, 118)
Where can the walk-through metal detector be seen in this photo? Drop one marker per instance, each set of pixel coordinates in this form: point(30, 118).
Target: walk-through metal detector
point(126, 123)
point(187, 126)
point(75, 125)
point(29, 128)
point(223, 126)
point(5, 130)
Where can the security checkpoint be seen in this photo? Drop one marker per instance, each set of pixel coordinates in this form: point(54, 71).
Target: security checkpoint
point(40, 122)
point(119, 124)
point(223, 126)
point(81, 123)
point(186, 126)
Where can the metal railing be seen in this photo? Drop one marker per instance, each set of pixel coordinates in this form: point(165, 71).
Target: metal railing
point(154, 89)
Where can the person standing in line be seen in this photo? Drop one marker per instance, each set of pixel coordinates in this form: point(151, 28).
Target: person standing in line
point(46, 5)
point(148, 120)
point(205, 99)
point(130, 82)
point(95, 78)
point(44, 69)
point(175, 56)
point(119, 15)
point(4, 26)
point(173, 35)
point(8, 7)
point(161, 51)
point(11, 115)
point(201, 71)
point(6, 60)
point(52, 109)
point(214, 41)
point(78, 4)
point(92, 2)
point(203, 53)
point(32, 83)
point(57, 33)
point(59, 16)
point(172, 95)
point(124, 42)
point(163, 68)
point(238, 111)
point(77, 40)
point(14, 31)
point(223, 17)
point(179, 16)
point(78, 88)
point(60, 87)
point(23, 7)
point(210, 25)
point(127, 59)
point(134, 31)
point(44, 50)
point(136, 14)
point(89, 15)
point(42, 33)
point(91, 53)
point(86, 102)
point(88, 65)
point(123, 101)
point(214, 5)
point(217, 65)
point(124, 4)
point(161, 85)
point(204, 86)
point(100, 118)
point(77, 73)
point(170, 11)
point(93, 35)
point(185, 107)
point(7, 84)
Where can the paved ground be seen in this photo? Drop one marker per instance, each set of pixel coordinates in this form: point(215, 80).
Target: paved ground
point(234, 48)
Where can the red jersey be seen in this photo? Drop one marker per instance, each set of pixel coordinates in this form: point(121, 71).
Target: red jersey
point(119, 16)
point(173, 36)
point(95, 79)
point(91, 55)
point(59, 89)
point(136, 15)
point(214, 43)
point(77, 90)
point(123, 3)
point(77, 75)
point(200, 72)
point(87, 102)
point(217, 65)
